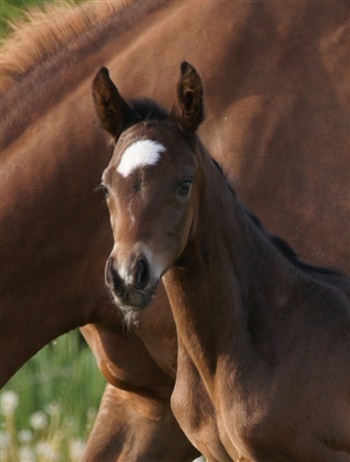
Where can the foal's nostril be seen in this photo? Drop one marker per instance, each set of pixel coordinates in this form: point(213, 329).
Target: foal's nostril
point(108, 271)
point(141, 274)
point(113, 280)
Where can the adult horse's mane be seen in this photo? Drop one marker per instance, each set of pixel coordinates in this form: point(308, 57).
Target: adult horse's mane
point(41, 33)
point(41, 44)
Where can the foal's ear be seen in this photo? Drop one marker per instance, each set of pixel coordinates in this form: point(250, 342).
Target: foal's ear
point(189, 110)
point(113, 111)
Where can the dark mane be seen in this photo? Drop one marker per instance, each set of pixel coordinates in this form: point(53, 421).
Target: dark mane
point(289, 252)
point(281, 244)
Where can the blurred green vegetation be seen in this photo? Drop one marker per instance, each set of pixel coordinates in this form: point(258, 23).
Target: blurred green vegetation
point(10, 10)
point(48, 407)
point(63, 372)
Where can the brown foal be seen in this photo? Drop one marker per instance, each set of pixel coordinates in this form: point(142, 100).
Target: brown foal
point(263, 339)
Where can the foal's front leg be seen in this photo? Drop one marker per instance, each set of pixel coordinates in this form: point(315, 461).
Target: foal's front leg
point(132, 426)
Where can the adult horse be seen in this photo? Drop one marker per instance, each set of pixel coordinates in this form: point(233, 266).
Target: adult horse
point(263, 367)
point(284, 123)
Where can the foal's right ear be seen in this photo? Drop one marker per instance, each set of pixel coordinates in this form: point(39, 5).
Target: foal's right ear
point(113, 111)
point(189, 110)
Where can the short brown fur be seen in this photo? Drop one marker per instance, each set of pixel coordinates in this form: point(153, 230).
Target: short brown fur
point(278, 122)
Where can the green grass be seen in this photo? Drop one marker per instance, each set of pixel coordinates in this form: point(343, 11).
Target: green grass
point(58, 393)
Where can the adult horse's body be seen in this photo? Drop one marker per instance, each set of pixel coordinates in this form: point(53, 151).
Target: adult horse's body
point(263, 369)
point(284, 122)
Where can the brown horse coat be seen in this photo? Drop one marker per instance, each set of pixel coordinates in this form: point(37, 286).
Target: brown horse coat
point(280, 111)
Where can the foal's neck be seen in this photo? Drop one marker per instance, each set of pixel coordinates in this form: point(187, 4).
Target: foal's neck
point(230, 278)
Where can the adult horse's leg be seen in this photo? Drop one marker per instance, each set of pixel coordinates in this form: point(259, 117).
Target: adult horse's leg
point(158, 436)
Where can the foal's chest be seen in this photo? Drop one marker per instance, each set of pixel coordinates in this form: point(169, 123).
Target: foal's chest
point(194, 410)
point(223, 425)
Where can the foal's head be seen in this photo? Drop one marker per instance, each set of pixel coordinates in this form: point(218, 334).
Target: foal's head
point(150, 184)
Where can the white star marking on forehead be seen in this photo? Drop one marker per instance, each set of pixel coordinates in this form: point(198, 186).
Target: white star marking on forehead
point(139, 154)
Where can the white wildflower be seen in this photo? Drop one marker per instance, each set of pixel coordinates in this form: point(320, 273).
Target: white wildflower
point(8, 402)
point(38, 420)
point(53, 408)
point(76, 449)
point(25, 436)
point(26, 454)
point(4, 439)
point(47, 452)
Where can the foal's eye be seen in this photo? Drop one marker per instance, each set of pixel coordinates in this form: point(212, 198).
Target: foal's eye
point(105, 190)
point(184, 187)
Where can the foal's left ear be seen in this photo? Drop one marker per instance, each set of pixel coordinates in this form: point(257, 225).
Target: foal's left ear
point(113, 111)
point(189, 110)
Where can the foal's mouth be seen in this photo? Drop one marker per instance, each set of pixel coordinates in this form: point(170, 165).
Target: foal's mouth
point(133, 299)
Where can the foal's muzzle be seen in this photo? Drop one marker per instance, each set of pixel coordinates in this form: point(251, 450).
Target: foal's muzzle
point(130, 290)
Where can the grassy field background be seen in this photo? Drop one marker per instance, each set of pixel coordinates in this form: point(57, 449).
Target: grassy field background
point(47, 409)
point(49, 406)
